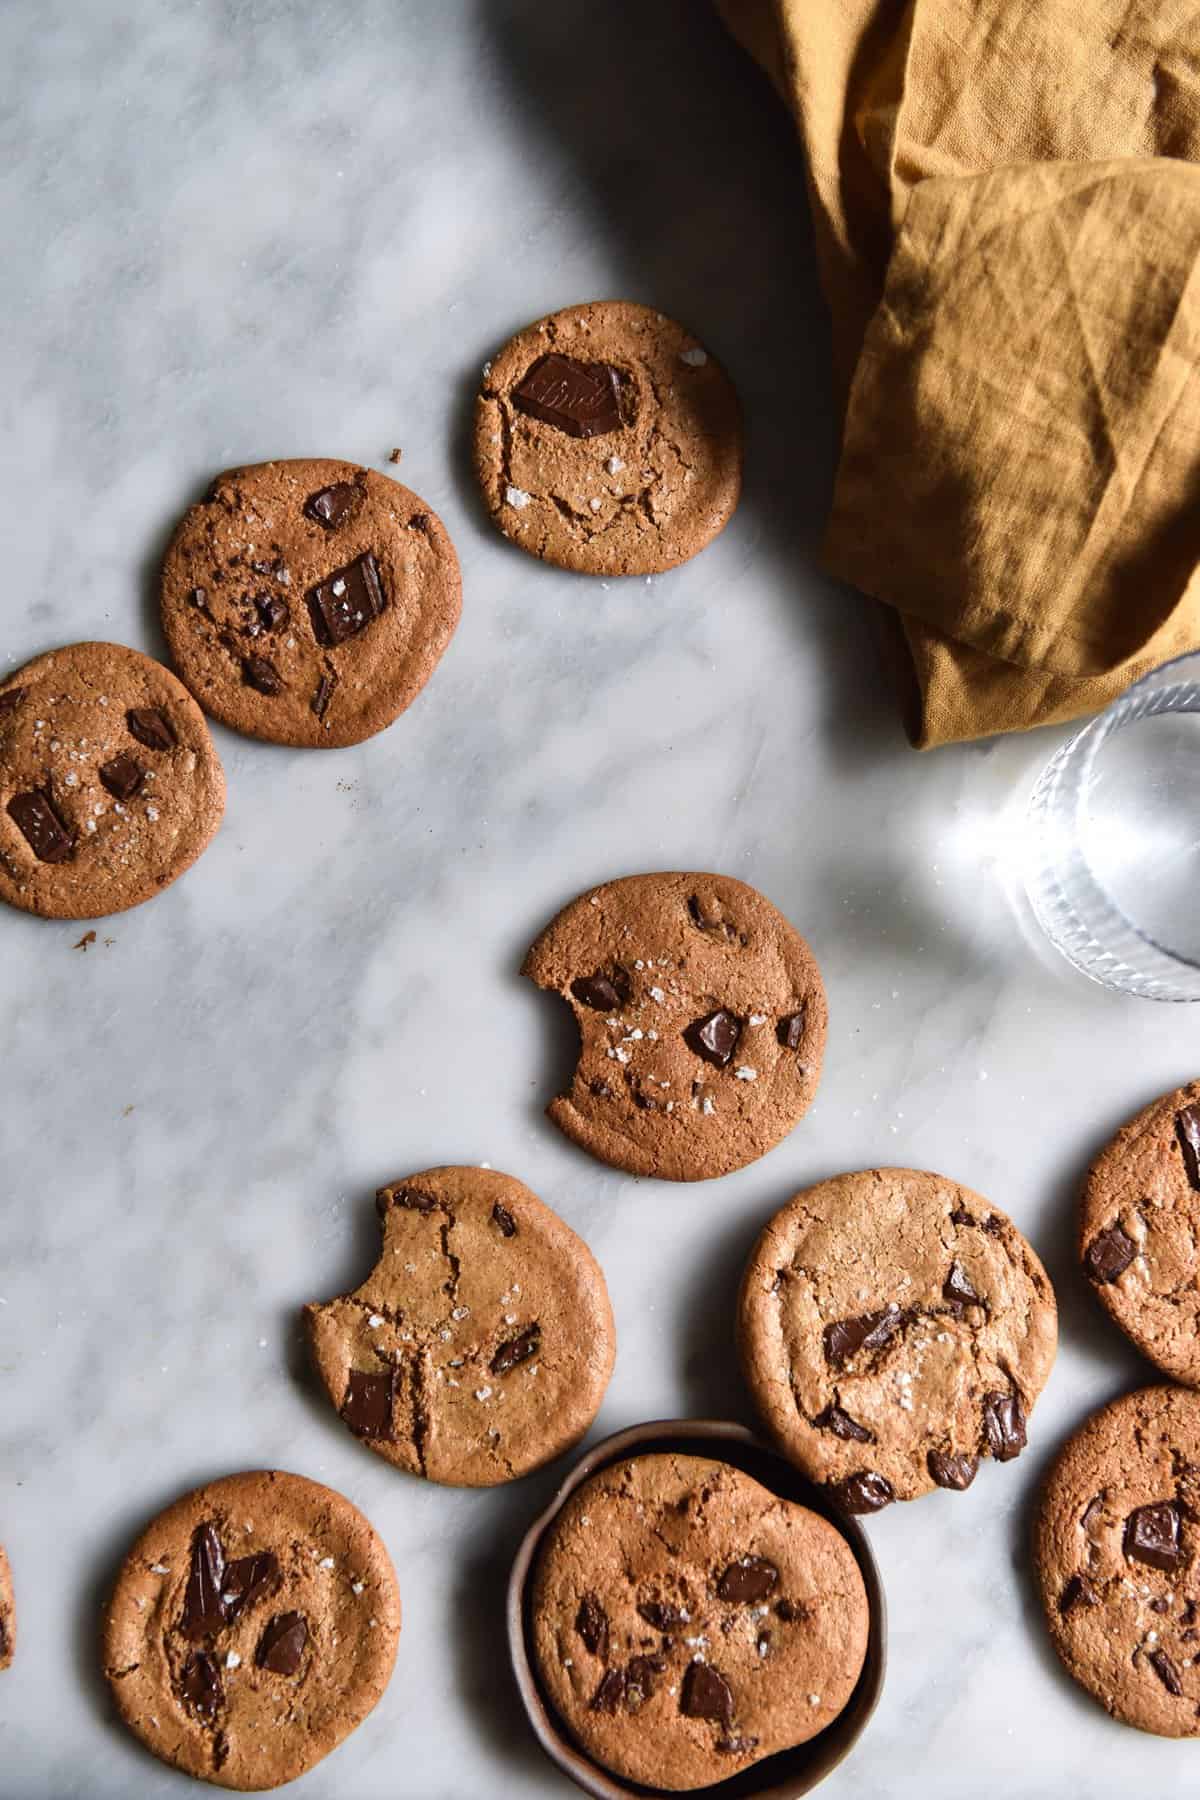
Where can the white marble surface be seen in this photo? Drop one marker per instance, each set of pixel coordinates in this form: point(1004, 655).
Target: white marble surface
point(242, 228)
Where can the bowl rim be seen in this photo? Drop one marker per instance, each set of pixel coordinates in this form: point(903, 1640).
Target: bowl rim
point(591, 1776)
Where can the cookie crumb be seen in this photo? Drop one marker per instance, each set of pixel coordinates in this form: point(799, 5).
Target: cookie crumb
point(395, 455)
point(89, 937)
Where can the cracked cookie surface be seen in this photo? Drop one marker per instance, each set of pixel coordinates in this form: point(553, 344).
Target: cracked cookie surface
point(308, 602)
point(252, 1627)
point(1139, 1231)
point(894, 1328)
point(702, 1021)
point(608, 440)
point(481, 1344)
point(110, 785)
point(687, 1622)
point(1117, 1547)
point(8, 1613)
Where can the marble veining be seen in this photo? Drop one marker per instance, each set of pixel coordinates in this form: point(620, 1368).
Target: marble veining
point(238, 229)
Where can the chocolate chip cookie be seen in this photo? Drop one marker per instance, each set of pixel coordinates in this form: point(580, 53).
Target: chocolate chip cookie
point(687, 1622)
point(110, 786)
point(480, 1345)
point(308, 602)
point(252, 1627)
point(893, 1329)
point(701, 1017)
point(1117, 1544)
point(8, 1613)
point(608, 440)
point(1139, 1227)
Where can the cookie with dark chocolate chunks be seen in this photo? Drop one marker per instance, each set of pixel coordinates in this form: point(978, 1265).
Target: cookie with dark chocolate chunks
point(699, 1552)
point(325, 607)
point(480, 1345)
point(253, 1625)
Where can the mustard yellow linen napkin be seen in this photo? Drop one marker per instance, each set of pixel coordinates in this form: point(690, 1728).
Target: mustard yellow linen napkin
point(1021, 460)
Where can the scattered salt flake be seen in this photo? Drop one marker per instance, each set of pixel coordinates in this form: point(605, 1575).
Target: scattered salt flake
point(233, 1660)
point(338, 587)
point(614, 465)
point(160, 1569)
point(510, 1318)
point(595, 505)
point(708, 1105)
point(746, 1074)
point(152, 813)
point(460, 1312)
point(483, 1393)
point(375, 1321)
point(356, 1587)
point(89, 825)
point(653, 1036)
point(814, 1699)
point(657, 994)
point(71, 778)
point(635, 1036)
point(758, 1018)
point(517, 497)
point(326, 1562)
point(619, 1055)
point(695, 358)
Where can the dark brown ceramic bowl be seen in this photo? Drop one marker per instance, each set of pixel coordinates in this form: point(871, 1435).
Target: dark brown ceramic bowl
point(789, 1773)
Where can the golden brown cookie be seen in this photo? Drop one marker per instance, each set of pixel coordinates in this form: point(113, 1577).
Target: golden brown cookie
point(308, 602)
point(687, 1622)
point(111, 786)
point(1117, 1546)
point(1138, 1229)
point(894, 1328)
point(480, 1345)
point(253, 1625)
point(701, 1017)
point(608, 440)
point(8, 1613)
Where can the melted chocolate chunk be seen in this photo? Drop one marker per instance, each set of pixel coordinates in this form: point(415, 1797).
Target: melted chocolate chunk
point(346, 602)
point(261, 675)
point(367, 1406)
point(662, 1616)
point(835, 1419)
point(414, 1200)
point(123, 776)
point(333, 506)
point(10, 701)
point(957, 1472)
point(706, 1695)
point(846, 1337)
point(323, 695)
point(246, 1581)
point(714, 1037)
point(736, 1746)
point(1078, 1592)
point(204, 1611)
point(601, 1090)
point(1166, 1671)
point(1004, 1425)
point(603, 993)
point(865, 1492)
point(151, 727)
point(504, 1219)
point(790, 1031)
point(198, 598)
point(282, 1643)
point(609, 1695)
point(591, 1622)
point(517, 1350)
point(1187, 1130)
point(960, 1216)
point(993, 1225)
point(1152, 1536)
point(747, 1581)
point(581, 398)
point(36, 818)
point(958, 1288)
point(791, 1610)
point(1160, 1604)
point(1109, 1254)
point(201, 1685)
point(272, 611)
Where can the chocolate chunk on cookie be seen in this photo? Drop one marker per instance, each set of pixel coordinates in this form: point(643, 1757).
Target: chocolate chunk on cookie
point(253, 1625)
point(1117, 1548)
point(110, 786)
point(8, 1613)
point(894, 1328)
point(1139, 1231)
point(680, 984)
point(308, 602)
point(608, 441)
point(481, 1344)
point(687, 1622)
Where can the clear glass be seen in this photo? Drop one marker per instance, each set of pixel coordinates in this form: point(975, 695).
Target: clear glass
point(1113, 871)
